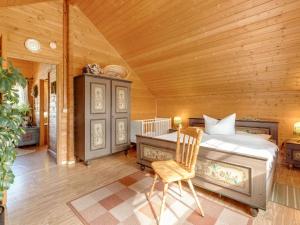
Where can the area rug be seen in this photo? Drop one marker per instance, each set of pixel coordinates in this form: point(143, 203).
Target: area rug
point(21, 152)
point(286, 195)
point(124, 202)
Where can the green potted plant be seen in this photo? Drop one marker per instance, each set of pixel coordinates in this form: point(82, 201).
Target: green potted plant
point(11, 118)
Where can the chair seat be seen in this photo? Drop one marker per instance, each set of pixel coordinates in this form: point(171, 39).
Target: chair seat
point(171, 171)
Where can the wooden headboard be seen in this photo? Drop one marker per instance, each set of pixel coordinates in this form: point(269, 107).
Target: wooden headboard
point(257, 126)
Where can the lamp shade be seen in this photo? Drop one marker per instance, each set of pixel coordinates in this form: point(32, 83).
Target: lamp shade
point(177, 120)
point(297, 128)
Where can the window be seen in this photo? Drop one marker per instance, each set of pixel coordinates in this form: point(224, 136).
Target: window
point(23, 94)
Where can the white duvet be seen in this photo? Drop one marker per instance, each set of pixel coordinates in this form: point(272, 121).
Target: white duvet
point(247, 144)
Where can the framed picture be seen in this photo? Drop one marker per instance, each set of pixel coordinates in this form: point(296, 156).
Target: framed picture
point(121, 131)
point(97, 98)
point(122, 99)
point(98, 134)
point(53, 87)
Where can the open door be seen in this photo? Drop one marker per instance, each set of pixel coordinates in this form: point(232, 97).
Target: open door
point(52, 111)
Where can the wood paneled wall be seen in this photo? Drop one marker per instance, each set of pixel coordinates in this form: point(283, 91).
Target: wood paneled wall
point(88, 45)
point(41, 21)
point(44, 21)
point(213, 57)
point(26, 67)
point(283, 107)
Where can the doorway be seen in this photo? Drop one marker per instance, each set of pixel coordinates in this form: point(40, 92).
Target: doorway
point(40, 95)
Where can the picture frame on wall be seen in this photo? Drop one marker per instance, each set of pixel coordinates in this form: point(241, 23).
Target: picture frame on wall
point(53, 87)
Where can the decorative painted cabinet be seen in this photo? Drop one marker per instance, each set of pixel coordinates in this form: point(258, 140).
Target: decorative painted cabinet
point(101, 116)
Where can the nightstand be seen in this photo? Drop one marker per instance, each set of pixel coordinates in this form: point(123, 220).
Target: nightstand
point(293, 152)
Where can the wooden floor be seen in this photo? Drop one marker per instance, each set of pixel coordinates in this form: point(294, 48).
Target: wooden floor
point(42, 189)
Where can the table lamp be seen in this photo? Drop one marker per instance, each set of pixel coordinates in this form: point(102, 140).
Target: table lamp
point(177, 121)
point(297, 129)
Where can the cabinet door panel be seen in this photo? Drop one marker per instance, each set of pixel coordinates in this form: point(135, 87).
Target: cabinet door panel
point(98, 95)
point(121, 131)
point(98, 98)
point(98, 134)
point(120, 115)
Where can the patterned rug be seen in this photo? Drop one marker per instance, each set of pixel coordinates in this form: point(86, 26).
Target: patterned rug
point(286, 195)
point(124, 202)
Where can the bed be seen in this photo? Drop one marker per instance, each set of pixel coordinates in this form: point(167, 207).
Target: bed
point(240, 167)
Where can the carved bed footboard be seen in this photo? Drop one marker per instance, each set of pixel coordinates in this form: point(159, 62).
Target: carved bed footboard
point(240, 177)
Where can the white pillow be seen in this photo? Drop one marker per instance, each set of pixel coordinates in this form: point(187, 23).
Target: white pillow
point(225, 126)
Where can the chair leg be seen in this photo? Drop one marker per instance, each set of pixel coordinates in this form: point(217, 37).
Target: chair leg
point(180, 187)
point(195, 196)
point(162, 207)
point(153, 185)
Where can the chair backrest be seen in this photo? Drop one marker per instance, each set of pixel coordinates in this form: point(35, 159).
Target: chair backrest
point(188, 147)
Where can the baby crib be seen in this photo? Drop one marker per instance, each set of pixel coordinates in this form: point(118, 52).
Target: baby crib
point(150, 127)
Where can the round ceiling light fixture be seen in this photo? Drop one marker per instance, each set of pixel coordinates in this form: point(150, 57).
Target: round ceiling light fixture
point(53, 44)
point(32, 45)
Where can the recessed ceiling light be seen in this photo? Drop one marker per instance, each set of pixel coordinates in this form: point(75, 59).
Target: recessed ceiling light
point(53, 44)
point(32, 45)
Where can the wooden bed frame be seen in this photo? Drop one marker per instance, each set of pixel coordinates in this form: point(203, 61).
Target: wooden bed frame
point(238, 176)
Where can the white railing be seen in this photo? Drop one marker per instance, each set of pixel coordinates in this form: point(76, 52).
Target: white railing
point(150, 127)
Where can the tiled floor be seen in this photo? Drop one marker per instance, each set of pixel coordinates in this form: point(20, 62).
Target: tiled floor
point(124, 202)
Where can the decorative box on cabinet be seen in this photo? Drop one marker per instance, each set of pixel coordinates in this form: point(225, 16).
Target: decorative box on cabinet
point(102, 116)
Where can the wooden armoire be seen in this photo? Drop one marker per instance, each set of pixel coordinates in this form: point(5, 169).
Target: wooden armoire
point(101, 116)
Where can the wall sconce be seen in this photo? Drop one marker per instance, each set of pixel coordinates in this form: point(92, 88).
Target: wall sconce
point(177, 121)
point(53, 45)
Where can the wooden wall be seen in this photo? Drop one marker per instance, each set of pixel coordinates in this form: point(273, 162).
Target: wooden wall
point(26, 67)
point(213, 57)
point(195, 57)
point(44, 21)
point(283, 107)
point(88, 45)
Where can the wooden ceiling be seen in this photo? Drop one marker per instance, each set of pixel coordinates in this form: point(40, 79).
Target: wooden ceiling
point(197, 47)
point(5, 3)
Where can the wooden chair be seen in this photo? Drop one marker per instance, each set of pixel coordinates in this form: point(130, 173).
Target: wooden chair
point(181, 169)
